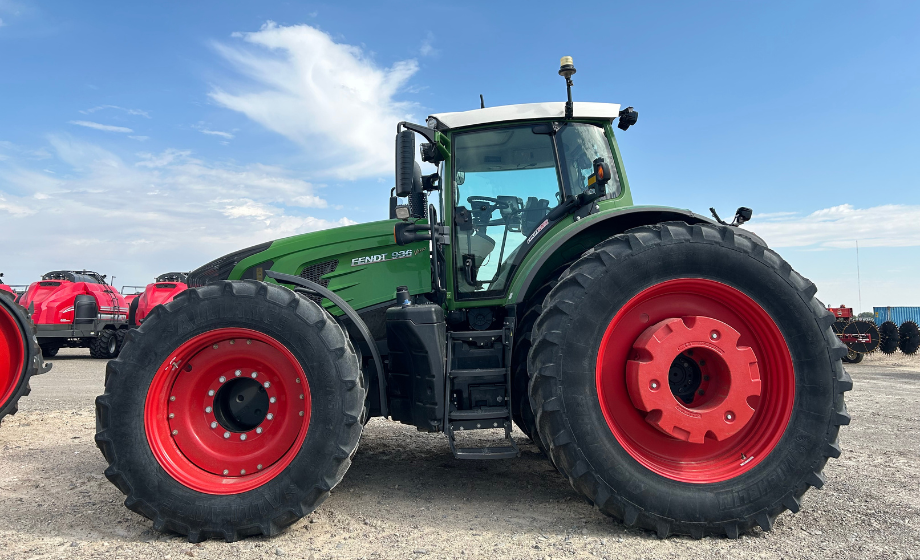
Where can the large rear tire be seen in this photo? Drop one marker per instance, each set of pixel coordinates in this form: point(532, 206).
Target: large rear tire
point(20, 355)
point(208, 421)
point(753, 367)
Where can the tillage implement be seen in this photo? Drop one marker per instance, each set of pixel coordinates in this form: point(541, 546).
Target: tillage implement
point(677, 371)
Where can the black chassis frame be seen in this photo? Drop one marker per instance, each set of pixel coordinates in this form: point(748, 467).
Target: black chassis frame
point(69, 331)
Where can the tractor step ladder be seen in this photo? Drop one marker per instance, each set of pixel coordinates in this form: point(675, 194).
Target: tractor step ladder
point(481, 417)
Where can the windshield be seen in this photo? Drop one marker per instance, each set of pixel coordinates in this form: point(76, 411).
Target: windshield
point(580, 146)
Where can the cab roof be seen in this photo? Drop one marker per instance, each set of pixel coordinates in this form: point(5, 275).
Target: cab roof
point(525, 111)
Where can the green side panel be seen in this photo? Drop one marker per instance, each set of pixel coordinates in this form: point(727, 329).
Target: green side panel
point(370, 264)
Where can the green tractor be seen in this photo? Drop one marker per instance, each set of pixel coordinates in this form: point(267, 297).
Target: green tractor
point(678, 372)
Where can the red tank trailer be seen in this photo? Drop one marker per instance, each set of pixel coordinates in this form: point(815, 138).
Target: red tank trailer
point(160, 292)
point(77, 309)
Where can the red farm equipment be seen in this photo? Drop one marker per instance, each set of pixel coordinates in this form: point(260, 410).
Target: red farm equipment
point(860, 337)
point(160, 292)
point(20, 356)
point(77, 309)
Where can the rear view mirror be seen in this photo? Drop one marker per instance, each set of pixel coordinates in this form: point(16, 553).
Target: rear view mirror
point(628, 117)
point(405, 163)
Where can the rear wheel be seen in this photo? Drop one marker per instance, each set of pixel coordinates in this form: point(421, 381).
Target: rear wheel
point(209, 422)
point(105, 345)
point(20, 356)
point(853, 357)
point(50, 350)
point(687, 381)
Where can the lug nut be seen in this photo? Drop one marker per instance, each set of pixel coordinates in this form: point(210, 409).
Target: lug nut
point(271, 400)
point(237, 373)
point(266, 384)
point(259, 466)
point(729, 416)
point(254, 375)
point(222, 379)
point(301, 397)
point(269, 416)
point(211, 393)
point(296, 380)
point(208, 409)
point(232, 341)
point(714, 335)
point(171, 415)
point(175, 432)
point(242, 437)
point(654, 385)
point(259, 430)
point(213, 425)
point(226, 472)
point(171, 399)
point(215, 347)
point(301, 413)
point(248, 342)
point(226, 435)
point(242, 471)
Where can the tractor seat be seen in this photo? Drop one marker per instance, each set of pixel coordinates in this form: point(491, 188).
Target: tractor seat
point(479, 245)
point(533, 214)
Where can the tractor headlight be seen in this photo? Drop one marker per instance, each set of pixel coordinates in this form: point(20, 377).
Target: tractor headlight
point(220, 269)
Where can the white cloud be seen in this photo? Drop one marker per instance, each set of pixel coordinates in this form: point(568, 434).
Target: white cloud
point(220, 133)
point(129, 111)
point(331, 98)
point(427, 48)
point(138, 218)
point(139, 138)
point(105, 127)
point(838, 227)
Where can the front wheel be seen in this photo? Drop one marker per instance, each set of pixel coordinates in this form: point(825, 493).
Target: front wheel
point(232, 411)
point(687, 381)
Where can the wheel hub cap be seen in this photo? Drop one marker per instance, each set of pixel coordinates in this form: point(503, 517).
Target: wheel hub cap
point(710, 378)
point(228, 411)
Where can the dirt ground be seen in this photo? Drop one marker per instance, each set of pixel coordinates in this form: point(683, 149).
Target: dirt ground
point(406, 497)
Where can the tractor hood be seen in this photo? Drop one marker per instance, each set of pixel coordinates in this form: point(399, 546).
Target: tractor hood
point(361, 263)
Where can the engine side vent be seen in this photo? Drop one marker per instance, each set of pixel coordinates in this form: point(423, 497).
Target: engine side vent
point(315, 273)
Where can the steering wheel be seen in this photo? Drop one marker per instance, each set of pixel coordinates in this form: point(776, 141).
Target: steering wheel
point(492, 204)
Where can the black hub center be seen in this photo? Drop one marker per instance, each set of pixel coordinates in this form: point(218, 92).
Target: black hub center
point(241, 404)
point(684, 378)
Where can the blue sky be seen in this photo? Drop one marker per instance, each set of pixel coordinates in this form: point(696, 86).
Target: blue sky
point(137, 138)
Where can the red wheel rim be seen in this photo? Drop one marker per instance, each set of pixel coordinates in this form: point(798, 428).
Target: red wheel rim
point(737, 450)
point(227, 411)
point(12, 355)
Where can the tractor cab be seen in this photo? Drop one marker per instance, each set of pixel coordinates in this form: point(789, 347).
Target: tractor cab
point(505, 174)
point(507, 180)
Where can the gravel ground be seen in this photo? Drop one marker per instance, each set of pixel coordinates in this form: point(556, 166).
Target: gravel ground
point(406, 497)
